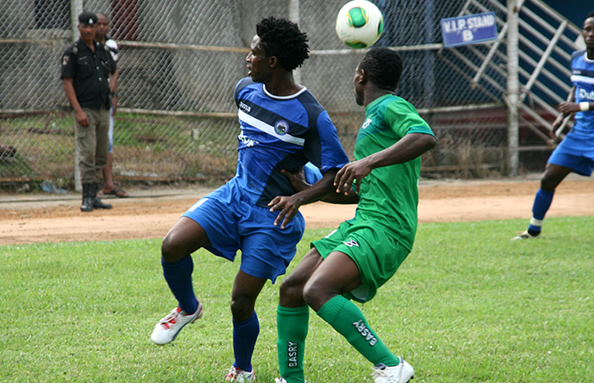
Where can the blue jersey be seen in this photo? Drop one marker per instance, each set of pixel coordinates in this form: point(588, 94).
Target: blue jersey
point(582, 76)
point(281, 133)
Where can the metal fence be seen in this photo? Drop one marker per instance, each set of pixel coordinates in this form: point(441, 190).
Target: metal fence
point(179, 63)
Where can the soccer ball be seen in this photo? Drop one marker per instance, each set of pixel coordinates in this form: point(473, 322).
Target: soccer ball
point(359, 24)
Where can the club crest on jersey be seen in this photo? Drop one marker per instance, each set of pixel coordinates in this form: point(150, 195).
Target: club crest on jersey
point(281, 127)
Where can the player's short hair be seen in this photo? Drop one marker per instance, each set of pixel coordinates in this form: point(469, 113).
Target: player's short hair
point(591, 14)
point(283, 39)
point(383, 67)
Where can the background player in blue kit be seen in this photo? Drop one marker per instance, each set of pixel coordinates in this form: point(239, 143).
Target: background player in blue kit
point(576, 151)
point(282, 127)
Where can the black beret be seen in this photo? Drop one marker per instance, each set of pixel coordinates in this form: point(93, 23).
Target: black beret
point(87, 18)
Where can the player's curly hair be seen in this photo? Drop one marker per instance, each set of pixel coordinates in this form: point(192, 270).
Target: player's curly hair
point(383, 67)
point(283, 39)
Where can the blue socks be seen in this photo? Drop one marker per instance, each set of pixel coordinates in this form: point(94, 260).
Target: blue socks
point(245, 335)
point(179, 278)
point(542, 203)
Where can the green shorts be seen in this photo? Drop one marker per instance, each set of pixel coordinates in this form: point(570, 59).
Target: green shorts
point(375, 250)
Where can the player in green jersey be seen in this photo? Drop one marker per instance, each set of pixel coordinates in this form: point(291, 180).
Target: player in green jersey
point(364, 252)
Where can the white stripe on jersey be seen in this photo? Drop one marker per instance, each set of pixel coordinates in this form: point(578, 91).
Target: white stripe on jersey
point(269, 129)
point(584, 79)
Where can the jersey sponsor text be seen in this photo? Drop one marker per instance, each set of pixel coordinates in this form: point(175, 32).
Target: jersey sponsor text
point(585, 95)
point(247, 141)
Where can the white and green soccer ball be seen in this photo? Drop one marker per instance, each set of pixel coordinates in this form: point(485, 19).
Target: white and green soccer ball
point(359, 24)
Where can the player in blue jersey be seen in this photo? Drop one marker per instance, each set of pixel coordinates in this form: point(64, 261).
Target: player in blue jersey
point(282, 127)
point(576, 152)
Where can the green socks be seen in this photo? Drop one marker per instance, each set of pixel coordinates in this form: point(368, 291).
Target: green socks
point(348, 320)
point(340, 313)
point(292, 325)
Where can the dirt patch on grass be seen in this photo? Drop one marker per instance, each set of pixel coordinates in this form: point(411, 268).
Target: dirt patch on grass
point(150, 213)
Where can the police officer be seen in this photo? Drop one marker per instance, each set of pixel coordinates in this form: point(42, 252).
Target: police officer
point(86, 67)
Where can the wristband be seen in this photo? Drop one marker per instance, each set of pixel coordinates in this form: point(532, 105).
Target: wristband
point(584, 106)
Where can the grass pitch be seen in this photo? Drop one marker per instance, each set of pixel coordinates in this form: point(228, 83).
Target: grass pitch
point(468, 305)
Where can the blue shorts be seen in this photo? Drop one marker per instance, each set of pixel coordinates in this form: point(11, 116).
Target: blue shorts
point(576, 151)
point(233, 223)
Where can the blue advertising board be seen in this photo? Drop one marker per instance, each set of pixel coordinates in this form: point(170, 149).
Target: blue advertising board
point(470, 29)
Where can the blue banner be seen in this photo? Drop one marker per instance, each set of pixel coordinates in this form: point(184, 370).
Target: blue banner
point(471, 29)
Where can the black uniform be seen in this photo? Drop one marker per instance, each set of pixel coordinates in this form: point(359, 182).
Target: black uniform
point(89, 71)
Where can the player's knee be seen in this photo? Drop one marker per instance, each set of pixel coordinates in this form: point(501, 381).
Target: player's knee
point(553, 176)
point(313, 295)
point(242, 308)
point(291, 292)
point(171, 250)
point(548, 183)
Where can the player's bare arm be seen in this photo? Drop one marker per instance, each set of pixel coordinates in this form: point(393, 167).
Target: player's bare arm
point(289, 205)
point(565, 109)
point(296, 179)
point(113, 81)
point(299, 183)
point(408, 148)
point(113, 89)
point(569, 106)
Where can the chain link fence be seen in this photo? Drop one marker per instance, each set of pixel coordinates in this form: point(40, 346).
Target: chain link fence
point(179, 63)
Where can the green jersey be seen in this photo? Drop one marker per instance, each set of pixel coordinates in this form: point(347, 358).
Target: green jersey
point(389, 195)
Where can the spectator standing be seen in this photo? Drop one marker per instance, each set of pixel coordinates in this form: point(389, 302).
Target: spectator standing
point(109, 186)
point(86, 67)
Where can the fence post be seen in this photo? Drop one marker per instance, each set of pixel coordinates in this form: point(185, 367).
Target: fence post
point(76, 7)
point(513, 86)
point(294, 16)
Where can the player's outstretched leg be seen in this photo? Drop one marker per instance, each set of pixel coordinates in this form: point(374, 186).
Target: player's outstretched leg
point(346, 318)
point(178, 275)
